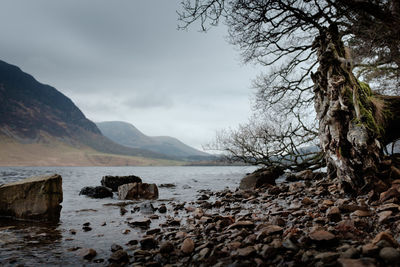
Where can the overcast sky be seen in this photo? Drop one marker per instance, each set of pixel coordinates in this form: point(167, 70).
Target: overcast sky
point(125, 60)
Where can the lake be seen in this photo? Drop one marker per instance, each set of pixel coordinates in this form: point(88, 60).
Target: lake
point(38, 244)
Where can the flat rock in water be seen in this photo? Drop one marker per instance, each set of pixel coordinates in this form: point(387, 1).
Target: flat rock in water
point(140, 223)
point(167, 185)
point(137, 191)
point(35, 198)
point(119, 256)
point(87, 253)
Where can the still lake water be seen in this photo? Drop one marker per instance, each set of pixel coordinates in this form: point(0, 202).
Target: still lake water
point(36, 244)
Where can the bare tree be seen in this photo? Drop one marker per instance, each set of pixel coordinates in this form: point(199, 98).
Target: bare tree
point(297, 40)
point(271, 141)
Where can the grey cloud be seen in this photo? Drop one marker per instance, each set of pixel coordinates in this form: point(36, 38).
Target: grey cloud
point(125, 60)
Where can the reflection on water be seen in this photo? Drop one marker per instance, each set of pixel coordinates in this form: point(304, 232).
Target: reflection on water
point(35, 244)
point(25, 242)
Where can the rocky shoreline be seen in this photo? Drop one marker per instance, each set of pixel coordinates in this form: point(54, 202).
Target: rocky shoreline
point(303, 223)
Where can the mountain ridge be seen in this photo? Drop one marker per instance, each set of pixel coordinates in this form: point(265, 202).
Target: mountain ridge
point(128, 135)
point(31, 111)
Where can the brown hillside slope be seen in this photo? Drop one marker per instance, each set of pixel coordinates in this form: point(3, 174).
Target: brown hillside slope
point(52, 152)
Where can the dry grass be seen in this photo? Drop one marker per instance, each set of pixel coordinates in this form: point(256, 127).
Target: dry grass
point(56, 153)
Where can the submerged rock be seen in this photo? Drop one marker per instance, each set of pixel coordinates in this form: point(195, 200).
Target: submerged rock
point(113, 182)
point(35, 198)
point(96, 191)
point(167, 185)
point(87, 253)
point(138, 191)
point(119, 257)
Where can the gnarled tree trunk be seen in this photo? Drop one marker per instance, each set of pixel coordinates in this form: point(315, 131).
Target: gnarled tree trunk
point(354, 123)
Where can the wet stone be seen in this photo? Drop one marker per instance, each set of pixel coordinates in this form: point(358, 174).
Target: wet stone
point(334, 214)
point(148, 243)
point(362, 213)
point(119, 256)
point(363, 262)
point(87, 228)
point(369, 250)
point(72, 231)
point(153, 231)
point(328, 202)
point(133, 242)
point(187, 246)
point(384, 215)
point(241, 224)
point(145, 223)
point(115, 247)
point(167, 247)
point(271, 229)
point(385, 236)
point(288, 244)
point(389, 206)
point(390, 255)
point(327, 257)
point(167, 185)
point(350, 253)
point(307, 201)
point(203, 253)
point(87, 253)
point(162, 209)
point(322, 235)
point(246, 252)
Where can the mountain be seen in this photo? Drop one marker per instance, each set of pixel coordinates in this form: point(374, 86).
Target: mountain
point(128, 135)
point(35, 113)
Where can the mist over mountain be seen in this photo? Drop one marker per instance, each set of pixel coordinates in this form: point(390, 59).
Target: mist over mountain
point(128, 135)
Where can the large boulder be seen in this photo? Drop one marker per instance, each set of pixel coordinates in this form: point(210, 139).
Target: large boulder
point(114, 181)
point(35, 198)
point(261, 178)
point(96, 191)
point(138, 191)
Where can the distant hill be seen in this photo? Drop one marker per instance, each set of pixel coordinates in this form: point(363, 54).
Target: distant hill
point(35, 113)
point(128, 135)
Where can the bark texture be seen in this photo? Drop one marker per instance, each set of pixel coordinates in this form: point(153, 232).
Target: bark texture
point(354, 123)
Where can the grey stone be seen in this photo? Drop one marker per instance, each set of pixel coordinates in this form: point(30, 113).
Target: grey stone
point(113, 182)
point(35, 198)
point(138, 191)
point(96, 191)
point(260, 178)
